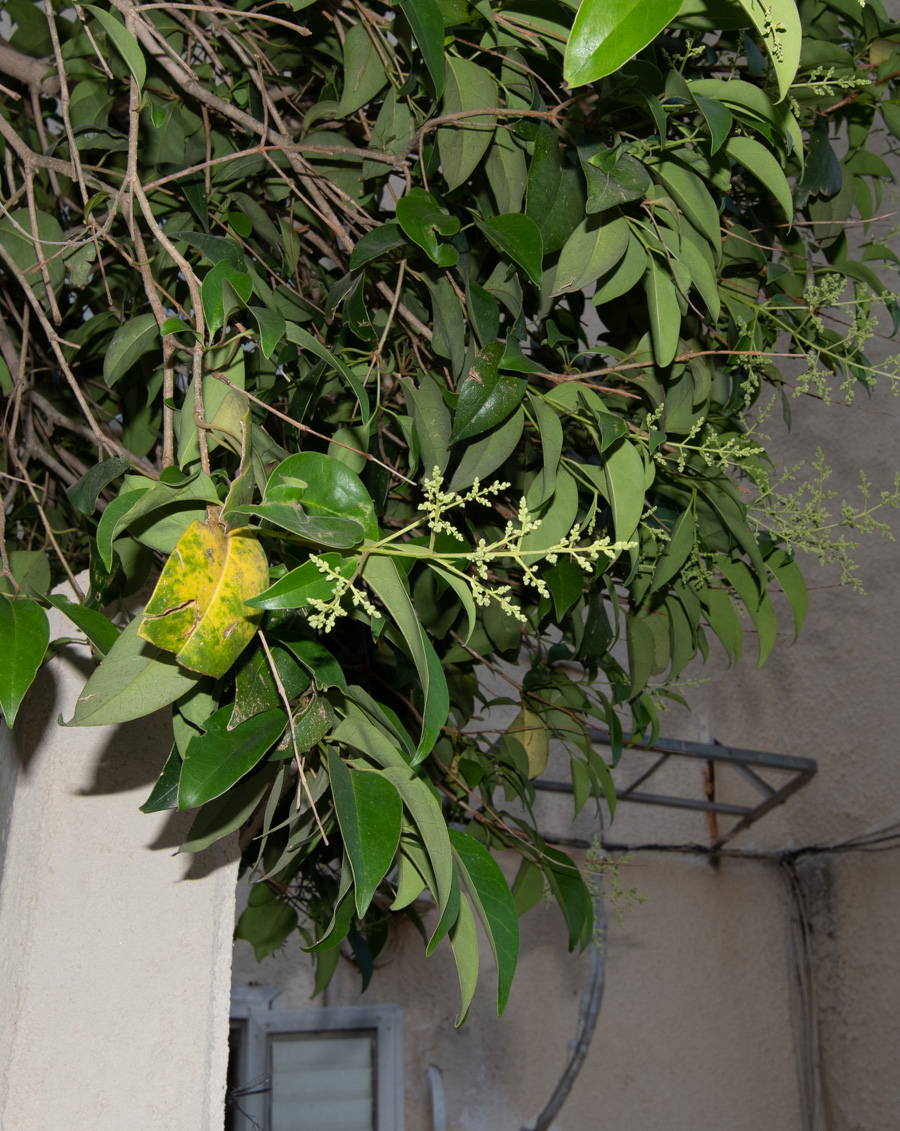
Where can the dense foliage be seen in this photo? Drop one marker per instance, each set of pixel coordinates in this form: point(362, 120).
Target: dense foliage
point(407, 361)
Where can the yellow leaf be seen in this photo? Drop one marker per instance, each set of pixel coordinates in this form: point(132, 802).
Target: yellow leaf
point(197, 609)
point(528, 729)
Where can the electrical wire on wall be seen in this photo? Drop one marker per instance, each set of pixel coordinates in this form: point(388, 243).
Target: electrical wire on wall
point(801, 948)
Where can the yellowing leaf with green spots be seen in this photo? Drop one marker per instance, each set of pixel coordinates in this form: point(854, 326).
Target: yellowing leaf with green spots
point(197, 609)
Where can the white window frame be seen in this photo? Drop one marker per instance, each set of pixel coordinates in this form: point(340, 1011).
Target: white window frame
point(263, 1021)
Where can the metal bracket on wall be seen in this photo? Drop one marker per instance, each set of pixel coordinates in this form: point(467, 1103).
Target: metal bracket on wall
point(750, 764)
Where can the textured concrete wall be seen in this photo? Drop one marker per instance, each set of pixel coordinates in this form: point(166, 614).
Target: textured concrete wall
point(114, 956)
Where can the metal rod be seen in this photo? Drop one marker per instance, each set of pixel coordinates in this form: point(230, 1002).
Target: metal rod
point(718, 753)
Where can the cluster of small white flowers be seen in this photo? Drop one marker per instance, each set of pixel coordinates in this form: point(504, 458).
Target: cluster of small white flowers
point(437, 502)
point(819, 296)
point(327, 612)
point(526, 525)
point(776, 31)
point(823, 83)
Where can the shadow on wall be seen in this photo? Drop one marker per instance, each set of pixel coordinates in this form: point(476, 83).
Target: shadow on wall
point(130, 759)
point(39, 715)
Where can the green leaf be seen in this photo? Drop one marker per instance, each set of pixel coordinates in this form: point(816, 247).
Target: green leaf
point(665, 316)
point(306, 341)
point(95, 626)
point(483, 457)
point(467, 87)
point(624, 472)
point(304, 584)
point(676, 552)
point(344, 906)
point(226, 814)
point(271, 328)
point(325, 488)
point(790, 578)
point(528, 887)
point(565, 580)
point(364, 73)
point(316, 658)
point(340, 533)
point(432, 422)
point(255, 689)
point(219, 757)
point(449, 335)
point(762, 164)
point(613, 176)
point(164, 794)
point(557, 518)
point(555, 192)
point(379, 241)
point(83, 494)
point(734, 518)
point(266, 922)
point(518, 238)
point(607, 33)
point(423, 806)
point(115, 518)
point(486, 396)
point(223, 289)
point(24, 636)
point(625, 275)
point(692, 197)
point(464, 592)
point(464, 941)
point(757, 602)
point(551, 436)
point(423, 220)
point(494, 905)
point(381, 574)
point(718, 117)
point(723, 620)
point(484, 313)
point(507, 171)
point(217, 249)
point(571, 894)
point(427, 25)
point(593, 248)
point(31, 572)
point(754, 108)
point(369, 812)
point(135, 679)
point(130, 342)
point(16, 236)
point(641, 651)
point(703, 276)
point(823, 175)
point(124, 42)
point(778, 25)
point(410, 880)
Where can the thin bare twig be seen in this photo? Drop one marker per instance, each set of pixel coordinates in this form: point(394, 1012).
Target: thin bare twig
point(302, 783)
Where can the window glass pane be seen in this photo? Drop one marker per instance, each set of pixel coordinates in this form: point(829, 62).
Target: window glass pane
point(322, 1081)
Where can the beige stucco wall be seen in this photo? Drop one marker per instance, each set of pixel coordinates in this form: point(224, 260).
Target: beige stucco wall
point(114, 953)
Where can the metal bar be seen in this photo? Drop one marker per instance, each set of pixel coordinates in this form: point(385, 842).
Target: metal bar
point(801, 770)
point(716, 753)
point(754, 779)
point(690, 803)
point(642, 777)
point(777, 798)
